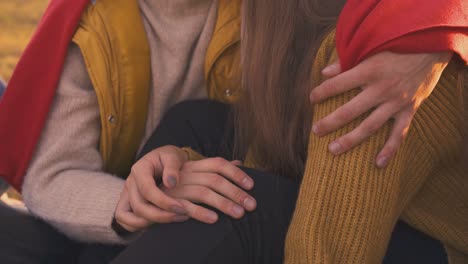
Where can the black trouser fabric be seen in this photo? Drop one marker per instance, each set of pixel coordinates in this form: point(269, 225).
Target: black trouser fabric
point(24, 240)
point(257, 238)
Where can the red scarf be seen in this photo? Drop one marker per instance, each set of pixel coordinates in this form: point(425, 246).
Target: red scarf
point(409, 26)
point(366, 27)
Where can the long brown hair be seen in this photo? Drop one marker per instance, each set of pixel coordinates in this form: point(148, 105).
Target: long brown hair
point(272, 118)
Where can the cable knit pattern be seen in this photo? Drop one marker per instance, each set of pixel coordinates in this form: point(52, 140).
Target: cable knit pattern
point(65, 184)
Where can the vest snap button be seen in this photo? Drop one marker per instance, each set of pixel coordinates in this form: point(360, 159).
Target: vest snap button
point(112, 119)
point(227, 92)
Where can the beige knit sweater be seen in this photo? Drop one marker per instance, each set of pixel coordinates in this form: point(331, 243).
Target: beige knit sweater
point(65, 184)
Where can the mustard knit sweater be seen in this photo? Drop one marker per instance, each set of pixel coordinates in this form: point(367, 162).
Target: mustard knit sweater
point(347, 207)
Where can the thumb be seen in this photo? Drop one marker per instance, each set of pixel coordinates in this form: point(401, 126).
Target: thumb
point(172, 164)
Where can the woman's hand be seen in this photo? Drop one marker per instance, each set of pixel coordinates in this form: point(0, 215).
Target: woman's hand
point(141, 202)
point(213, 182)
point(393, 86)
point(217, 183)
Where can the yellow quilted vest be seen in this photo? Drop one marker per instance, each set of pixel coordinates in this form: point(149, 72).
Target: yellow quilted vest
point(113, 42)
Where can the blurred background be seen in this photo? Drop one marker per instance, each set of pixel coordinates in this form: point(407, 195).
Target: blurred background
point(18, 19)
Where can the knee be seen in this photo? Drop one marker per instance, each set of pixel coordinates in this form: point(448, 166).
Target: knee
point(196, 110)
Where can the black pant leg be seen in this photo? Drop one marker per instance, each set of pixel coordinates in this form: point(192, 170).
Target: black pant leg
point(99, 253)
point(408, 245)
point(174, 243)
point(199, 124)
point(203, 125)
point(25, 239)
point(256, 238)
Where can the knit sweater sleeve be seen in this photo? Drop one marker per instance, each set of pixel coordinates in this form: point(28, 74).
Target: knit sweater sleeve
point(192, 154)
point(65, 184)
point(347, 207)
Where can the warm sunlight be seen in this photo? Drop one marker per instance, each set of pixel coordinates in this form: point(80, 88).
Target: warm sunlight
point(17, 22)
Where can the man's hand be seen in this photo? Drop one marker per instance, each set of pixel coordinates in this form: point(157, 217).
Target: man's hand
point(142, 202)
point(393, 86)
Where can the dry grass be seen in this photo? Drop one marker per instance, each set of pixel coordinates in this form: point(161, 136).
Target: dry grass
point(18, 19)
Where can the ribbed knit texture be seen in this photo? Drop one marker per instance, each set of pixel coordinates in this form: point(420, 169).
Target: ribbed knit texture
point(347, 207)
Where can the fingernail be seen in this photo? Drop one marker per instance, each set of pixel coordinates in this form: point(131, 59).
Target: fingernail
point(179, 210)
point(250, 203)
point(326, 70)
point(315, 129)
point(247, 183)
point(213, 217)
point(180, 218)
point(237, 210)
point(335, 148)
point(171, 180)
point(382, 162)
point(312, 98)
point(330, 69)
